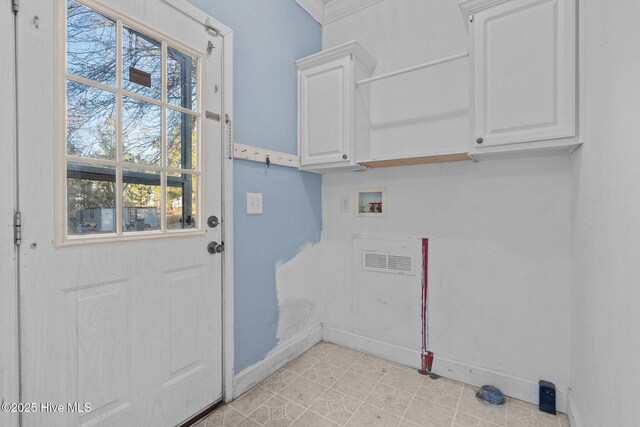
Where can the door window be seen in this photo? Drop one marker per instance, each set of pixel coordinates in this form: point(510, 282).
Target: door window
point(133, 131)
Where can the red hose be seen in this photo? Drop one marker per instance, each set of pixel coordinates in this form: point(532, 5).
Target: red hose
point(427, 356)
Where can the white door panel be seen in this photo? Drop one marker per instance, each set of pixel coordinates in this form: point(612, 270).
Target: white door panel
point(133, 328)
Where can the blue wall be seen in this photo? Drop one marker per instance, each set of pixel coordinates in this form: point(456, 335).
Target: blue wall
point(268, 37)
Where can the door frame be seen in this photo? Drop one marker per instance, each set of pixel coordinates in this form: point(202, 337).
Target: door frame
point(9, 301)
point(228, 342)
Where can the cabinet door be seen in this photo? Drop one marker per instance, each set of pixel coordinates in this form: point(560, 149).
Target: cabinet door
point(524, 72)
point(325, 113)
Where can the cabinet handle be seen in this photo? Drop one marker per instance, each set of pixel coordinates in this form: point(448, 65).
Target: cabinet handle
point(344, 156)
point(479, 141)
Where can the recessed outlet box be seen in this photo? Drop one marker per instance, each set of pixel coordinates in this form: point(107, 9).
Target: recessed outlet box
point(254, 203)
point(371, 202)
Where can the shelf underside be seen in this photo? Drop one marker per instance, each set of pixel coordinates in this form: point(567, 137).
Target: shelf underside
point(421, 160)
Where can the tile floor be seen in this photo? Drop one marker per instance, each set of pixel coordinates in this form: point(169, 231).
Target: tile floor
point(333, 386)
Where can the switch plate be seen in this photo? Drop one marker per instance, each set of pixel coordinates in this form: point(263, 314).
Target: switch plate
point(254, 203)
point(345, 203)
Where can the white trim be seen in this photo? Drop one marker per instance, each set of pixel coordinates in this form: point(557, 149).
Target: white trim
point(275, 360)
point(228, 342)
point(338, 9)
point(338, 52)
point(520, 388)
point(511, 385)
point(198, 15)
point(315, 8)
point(472, 6)
point(256, 154)
point(575, 420)
point(394, 353)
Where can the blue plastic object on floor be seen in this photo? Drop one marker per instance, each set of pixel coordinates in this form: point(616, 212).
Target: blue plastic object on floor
point(491, 394)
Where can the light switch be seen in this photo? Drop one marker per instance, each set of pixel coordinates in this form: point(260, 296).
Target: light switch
point(254, 203)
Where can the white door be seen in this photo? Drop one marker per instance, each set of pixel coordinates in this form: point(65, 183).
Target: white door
point(523, 60)
point(120, 299)
point(8, 295)
point(326, 113)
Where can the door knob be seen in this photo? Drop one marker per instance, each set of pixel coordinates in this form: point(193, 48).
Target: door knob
point(215, 247)
point(479, 141)
point(344, 156)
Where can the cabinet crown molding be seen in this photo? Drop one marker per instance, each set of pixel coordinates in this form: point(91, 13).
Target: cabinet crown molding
point(351, 48)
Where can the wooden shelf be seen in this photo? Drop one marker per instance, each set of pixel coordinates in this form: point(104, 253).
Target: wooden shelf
point(421, 160)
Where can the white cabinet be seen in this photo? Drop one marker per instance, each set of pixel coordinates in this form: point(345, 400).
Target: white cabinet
point(523, 75)
point(333, 114)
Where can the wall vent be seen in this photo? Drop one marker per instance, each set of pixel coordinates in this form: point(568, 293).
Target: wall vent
point(388, 263)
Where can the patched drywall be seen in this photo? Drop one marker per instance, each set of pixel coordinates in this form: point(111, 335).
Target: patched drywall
point(299, 285)
point(268, 37)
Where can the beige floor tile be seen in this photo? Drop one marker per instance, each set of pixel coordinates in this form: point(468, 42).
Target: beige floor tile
point(402, 378)
point(521, 413)
point(279, 380)
point(247, 423)
point(470, 404)
point(564, 420)
point(390, 399)
point(369, 416)
point(250, 401)
point(371, 367)
point(224, 416)
point(321, 349)
point(405, 423)
point(335, 406)
point(277, 412)
point(324, 374)
point(310, 419)
point(302, 363)
point(442, 390)
point(303, 391)
point(429, 414)
point(342, 357)
point(463, 420)
point(354, 385)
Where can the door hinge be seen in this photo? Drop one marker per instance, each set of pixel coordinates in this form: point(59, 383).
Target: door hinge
point(17, 228)
point(15, 6)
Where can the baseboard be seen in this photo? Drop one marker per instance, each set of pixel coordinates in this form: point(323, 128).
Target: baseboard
point(520, 388)
point(392, 352)
point(275, 360)
point(574, 416)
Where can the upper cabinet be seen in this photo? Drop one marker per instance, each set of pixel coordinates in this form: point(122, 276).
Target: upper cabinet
point(333, 115)
point(523, 75)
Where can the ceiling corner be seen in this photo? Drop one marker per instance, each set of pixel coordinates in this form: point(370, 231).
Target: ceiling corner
point(315, 8)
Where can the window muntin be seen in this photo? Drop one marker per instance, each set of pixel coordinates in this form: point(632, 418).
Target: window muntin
point(132, 137)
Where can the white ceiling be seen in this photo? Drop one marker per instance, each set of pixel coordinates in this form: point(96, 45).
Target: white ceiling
point(325, 11)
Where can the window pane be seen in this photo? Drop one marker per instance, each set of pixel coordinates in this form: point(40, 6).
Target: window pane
point(181, 79)
point(141, 64)
point(91, 44)
point(141, 128)
point(91, 199)
point(182, 139)
point(141, 200)
point(181, 201)
point(91, 122)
